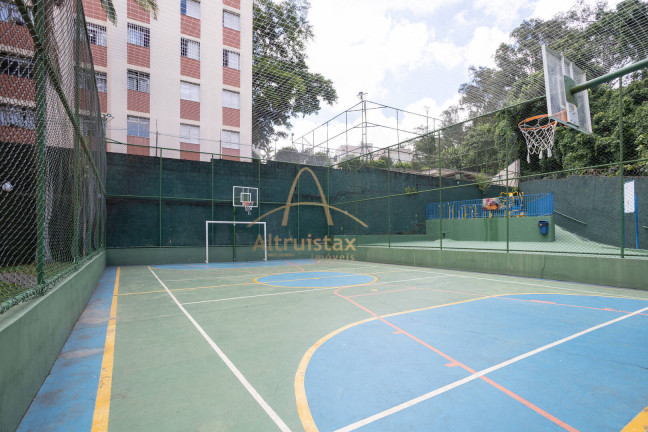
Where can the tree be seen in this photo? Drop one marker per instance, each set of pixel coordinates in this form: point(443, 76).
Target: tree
point(283, 87)
point(147, 5)
point(425, 149)
point(289, 154)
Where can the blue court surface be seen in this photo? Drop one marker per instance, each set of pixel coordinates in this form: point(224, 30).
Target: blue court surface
point(313, 279)
point(419, 369)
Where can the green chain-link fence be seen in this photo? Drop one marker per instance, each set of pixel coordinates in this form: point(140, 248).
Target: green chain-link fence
point(52, 147)
point(447, 189)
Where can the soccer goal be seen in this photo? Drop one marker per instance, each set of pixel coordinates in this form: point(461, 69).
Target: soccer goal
point(235, 241)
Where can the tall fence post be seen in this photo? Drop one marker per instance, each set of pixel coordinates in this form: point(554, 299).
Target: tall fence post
point(621, 166)
point(356, 200)
point(508, 206)
point(41, 137)
point(77, 157)
point(388, 197)
point(328, 193)
point(160, 202)
point(440, 193)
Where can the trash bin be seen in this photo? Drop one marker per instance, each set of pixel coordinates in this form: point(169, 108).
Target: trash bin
point(543, 226)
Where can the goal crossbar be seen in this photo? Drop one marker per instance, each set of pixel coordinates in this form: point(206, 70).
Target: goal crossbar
point(234, 223)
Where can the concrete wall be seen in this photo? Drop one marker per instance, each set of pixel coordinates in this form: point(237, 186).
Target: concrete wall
point(32, 336)
point(617, 272)
point(521, 229)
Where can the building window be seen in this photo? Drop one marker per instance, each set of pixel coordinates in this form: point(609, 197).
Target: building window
point(231, 99)
point(189, 134)
point(84, 79)
point(138, 126)
point(9, 13)
point(14, 116)
point(102, 82)
point(231, 59)
point(231, 21)
point(190, 8)
point(189, 91)
point(139, 81)
point(16, 66)
point(139, 35)
point(97, 35)
point(189, 48)
point(230, 139)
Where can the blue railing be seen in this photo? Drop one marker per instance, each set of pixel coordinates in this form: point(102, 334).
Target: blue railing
point(523, 205)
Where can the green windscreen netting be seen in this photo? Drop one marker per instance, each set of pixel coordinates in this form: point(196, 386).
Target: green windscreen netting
point(52, 148)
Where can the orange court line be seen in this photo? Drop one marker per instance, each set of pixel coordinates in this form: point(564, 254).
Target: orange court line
point(300, 390)
point(294, 265)
point(102, 404)
point(569, 305)
point(520, 399)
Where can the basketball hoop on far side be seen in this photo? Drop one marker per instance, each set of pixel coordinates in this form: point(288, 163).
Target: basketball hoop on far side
point(538, 133)
point(249, 205)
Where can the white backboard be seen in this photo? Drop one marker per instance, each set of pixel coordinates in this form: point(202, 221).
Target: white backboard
point(560, 75)
point(244, 193)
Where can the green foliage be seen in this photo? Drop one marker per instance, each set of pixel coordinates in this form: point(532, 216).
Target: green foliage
point(289, 154)
point(283, 87)
point(411, 190)
point(483, 181)
point(403, 165)
point(597, 39)
point(425, 149)
point(350, 163)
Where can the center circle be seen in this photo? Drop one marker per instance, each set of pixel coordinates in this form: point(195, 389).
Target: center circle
point(315, 279)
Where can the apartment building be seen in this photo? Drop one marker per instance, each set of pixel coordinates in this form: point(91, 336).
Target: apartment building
point(17, 90)
point(181, 81)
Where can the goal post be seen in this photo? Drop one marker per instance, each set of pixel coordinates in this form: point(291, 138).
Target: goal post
point(250, 238)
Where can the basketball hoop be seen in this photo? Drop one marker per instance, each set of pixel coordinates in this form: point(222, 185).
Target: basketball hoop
point(248, 206)
point(538, 133)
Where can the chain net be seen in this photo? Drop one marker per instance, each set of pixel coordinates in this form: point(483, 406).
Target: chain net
point(52, 148)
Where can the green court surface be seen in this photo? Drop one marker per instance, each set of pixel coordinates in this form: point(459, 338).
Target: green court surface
point(219, 348)
point(565, 243)
point(343, 345)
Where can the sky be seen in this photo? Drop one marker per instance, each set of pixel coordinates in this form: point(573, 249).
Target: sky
point(407, 54)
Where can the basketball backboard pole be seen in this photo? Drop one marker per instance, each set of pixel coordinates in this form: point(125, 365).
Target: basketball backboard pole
point(643, 64)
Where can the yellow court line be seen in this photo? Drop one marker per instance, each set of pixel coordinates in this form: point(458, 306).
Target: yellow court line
point(190, 288)
point(102, 404)
point(639, 423)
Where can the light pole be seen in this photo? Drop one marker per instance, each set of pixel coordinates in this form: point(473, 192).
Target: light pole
point(364, 146)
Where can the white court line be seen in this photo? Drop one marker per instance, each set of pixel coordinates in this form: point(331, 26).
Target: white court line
point(273, 415)
point(259, 295)
point(479, 374)
point(512, 280)
point(508, 277)
point(551, 286)
point(303, 291)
